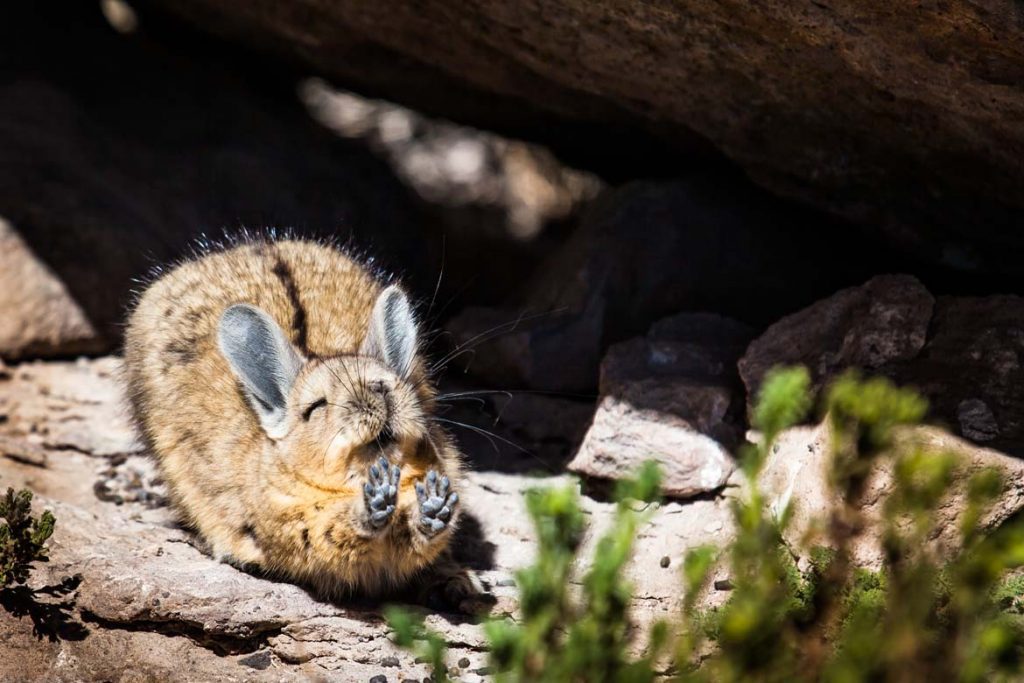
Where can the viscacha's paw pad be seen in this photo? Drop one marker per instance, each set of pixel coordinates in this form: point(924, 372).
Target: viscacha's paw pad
point(380, 492)
point(436, 503)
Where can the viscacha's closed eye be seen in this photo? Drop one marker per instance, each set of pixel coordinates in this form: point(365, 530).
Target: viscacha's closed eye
point(308, 412)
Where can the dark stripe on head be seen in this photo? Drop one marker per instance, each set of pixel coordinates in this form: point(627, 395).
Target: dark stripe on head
point(284, 274)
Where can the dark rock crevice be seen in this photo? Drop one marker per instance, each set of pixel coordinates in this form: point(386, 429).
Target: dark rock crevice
point(220, 643)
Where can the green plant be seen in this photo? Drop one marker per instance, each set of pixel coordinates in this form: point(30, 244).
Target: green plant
point(918, 617)
point(22, 537)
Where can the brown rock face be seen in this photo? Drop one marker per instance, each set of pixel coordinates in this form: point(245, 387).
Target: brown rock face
point(903, 115)
point(674, 397)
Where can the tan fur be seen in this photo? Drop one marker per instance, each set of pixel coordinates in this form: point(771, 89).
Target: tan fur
point(291, 506)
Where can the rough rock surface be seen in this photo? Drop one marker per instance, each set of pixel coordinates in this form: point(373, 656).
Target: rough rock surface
point(963, 353)
point(672, 396)
point(906, 116)
point(144, 603)
point(40, 318)
point(881, 322)
point(797, 470)
point(971, 369)
point(645, 251)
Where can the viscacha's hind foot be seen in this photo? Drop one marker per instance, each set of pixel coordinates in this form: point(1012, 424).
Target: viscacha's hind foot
point(437, 505)
point(380, 493)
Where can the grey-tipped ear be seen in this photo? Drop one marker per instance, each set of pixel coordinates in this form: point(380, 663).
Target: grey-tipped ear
point(263, 360)
point(392, 333)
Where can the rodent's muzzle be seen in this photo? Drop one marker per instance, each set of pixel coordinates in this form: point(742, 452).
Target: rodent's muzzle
point(374, 425)
point(376, 405)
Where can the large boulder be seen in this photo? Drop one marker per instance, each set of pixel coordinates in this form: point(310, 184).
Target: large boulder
point(881, 322)
point(971, 369)
point(962, 353)
point(900, 116)
point(673, 397)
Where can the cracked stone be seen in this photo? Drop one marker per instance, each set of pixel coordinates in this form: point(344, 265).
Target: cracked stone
point(881, 322)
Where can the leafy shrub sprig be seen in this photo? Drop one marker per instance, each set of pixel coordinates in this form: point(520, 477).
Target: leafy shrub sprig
point(22, 537)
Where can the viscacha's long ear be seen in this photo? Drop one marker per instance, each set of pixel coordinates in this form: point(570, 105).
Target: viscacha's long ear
point(392, 333)
point(262, 359)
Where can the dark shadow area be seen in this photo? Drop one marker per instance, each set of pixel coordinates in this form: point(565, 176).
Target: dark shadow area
point(603, 491)
point(470, 548)
point(119, 152)
point(447, 587)
point(608, 142)
point(50, 609)
point(514, 431)
point(220, 643)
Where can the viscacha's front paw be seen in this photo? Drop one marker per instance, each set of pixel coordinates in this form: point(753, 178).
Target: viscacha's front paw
point(436, 503)
point(380, 493)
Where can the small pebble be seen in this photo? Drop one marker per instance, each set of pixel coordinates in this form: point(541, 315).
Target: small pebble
point(258, 660)
point(464, 663)
point(390, 661)
point(379, 678)
point(665, 561)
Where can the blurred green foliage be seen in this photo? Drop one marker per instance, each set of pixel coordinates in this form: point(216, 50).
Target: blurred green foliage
point(22, 537)
point(918, 618)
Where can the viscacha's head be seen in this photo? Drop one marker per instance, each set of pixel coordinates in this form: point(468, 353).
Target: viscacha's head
point(329, 418)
